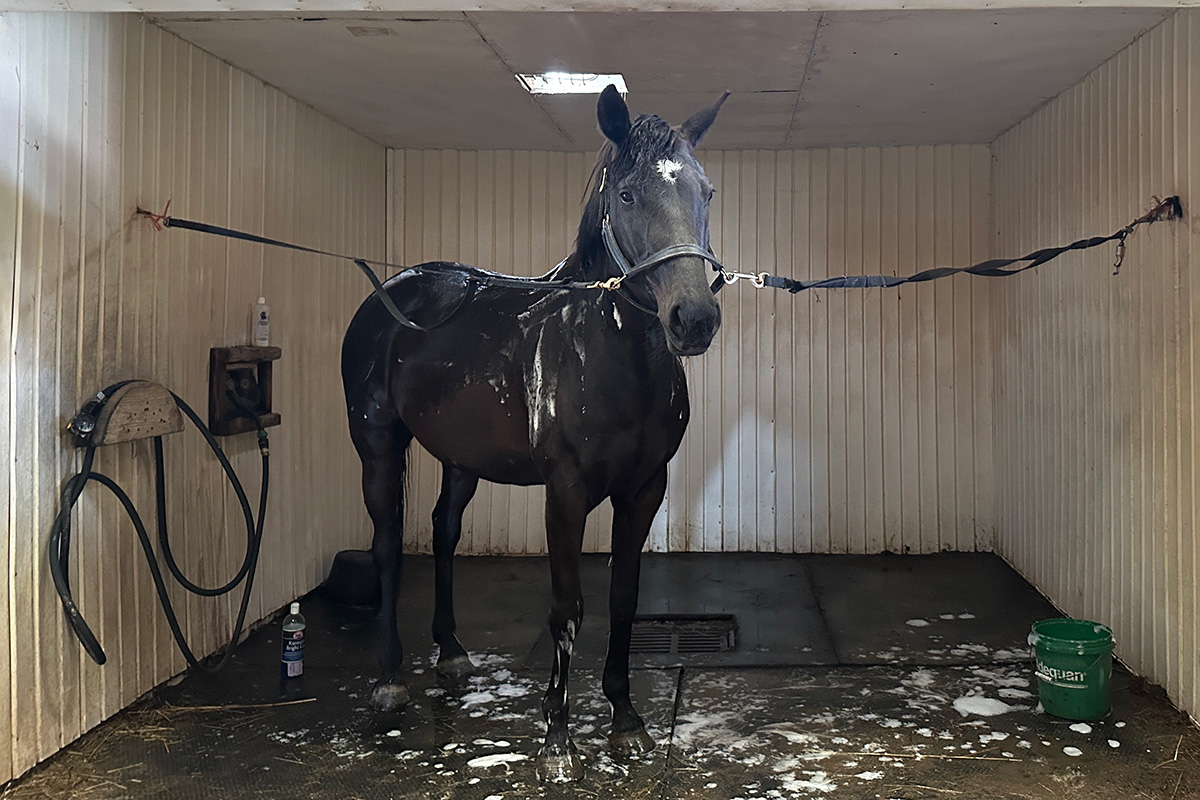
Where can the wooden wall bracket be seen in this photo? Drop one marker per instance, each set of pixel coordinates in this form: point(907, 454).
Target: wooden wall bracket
point(138, 410)
point(246, 370)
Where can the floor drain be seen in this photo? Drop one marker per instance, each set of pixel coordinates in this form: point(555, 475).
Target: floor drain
point(684, 633)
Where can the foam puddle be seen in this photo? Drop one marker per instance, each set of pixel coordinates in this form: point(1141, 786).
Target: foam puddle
point(496, 759)
point(812, 736)
point(981, 706)
point(788, 741)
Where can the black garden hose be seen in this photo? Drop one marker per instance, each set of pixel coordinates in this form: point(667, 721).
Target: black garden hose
point(60, 536)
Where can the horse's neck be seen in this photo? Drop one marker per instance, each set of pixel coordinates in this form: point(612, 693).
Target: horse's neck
point(595, 266)
point(635, 324)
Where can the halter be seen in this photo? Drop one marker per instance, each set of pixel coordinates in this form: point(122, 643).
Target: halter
point(629, 270)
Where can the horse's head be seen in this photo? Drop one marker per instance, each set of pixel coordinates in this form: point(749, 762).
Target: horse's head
point(655, 195)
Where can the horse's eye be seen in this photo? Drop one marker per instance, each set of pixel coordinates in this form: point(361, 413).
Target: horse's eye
point(626, 196)
point(711, 192)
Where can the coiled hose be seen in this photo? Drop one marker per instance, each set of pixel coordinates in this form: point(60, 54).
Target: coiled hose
point(60, 536)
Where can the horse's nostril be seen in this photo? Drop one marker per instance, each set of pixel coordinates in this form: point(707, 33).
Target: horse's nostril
point(693, 324)
point(679, 327)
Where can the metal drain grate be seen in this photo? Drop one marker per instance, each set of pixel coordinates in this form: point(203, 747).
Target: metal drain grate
point(684, 633)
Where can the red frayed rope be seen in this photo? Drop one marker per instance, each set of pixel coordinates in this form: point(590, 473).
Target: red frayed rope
point(157, 220)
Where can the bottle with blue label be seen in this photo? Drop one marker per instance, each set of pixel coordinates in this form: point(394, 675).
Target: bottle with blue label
point(293, 643)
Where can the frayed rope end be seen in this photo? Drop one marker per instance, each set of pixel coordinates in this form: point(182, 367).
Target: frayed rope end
point(1167, 209)
point(159, 221)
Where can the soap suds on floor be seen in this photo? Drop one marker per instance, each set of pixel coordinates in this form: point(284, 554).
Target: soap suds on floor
point(483, 762)
point(981, 706)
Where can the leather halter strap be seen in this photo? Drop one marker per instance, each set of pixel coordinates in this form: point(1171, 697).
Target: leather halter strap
point(658, 257)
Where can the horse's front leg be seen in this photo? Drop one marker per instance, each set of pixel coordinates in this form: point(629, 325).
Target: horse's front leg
point(632, 516)
point(458, 488)
point(566, 511)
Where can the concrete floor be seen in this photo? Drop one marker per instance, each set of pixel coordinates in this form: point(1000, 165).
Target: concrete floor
point(837, 690)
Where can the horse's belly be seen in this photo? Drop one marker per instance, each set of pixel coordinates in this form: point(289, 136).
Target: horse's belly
point(479, 430)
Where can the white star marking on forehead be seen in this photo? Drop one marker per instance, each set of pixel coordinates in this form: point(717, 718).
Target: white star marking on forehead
point(668, 169)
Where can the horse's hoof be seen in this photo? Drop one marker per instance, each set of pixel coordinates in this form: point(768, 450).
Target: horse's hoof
point(455, 667)
point(389, 696)
point(559, 765)
point(630, 743)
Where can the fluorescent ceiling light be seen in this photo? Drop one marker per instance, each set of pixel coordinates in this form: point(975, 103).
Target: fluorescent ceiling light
point(570, 83)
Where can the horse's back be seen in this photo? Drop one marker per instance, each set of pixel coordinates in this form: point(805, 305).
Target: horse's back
point(458, 386)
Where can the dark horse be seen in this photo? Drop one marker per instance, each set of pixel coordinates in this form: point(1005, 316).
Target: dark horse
point(582, 391)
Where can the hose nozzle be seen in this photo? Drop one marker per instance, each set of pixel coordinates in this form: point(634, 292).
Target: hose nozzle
point(83, 423)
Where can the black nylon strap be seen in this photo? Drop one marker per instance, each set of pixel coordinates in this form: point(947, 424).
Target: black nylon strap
point(993, 268)
point(474, 277)
point(481, 276)
point(1000, 267)
point(385, 298)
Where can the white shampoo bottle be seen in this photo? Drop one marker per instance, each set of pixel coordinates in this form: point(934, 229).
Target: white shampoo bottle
point(260, 324)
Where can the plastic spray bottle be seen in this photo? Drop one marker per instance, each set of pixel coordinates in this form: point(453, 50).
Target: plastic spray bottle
point(292, 665)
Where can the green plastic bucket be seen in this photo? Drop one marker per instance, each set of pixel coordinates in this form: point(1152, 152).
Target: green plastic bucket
point(1074, 667)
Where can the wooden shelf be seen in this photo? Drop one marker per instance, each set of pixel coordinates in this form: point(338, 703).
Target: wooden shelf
point(224, 364)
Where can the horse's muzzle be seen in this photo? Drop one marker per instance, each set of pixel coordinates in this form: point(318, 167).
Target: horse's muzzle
point(691, 326)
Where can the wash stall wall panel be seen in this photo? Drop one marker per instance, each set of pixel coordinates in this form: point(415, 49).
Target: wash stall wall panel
point(100, 114)
point(1096, 374)
point(842, 421)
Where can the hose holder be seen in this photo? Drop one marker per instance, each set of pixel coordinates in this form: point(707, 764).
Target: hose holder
point(136, 410)
point(246, 372)
point(132, 410)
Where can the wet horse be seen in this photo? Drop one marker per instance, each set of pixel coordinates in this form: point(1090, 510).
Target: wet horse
point(581, 391)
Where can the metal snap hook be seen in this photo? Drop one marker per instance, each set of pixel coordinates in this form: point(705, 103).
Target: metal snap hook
point(1121, 249)
point(759, 280)
point(612, 284)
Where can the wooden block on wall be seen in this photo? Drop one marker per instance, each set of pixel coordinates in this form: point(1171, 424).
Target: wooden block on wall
point(138, 410)
point(224, 418)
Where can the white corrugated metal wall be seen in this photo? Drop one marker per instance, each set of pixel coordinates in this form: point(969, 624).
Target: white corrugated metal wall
point(844, 422)
point(100, 113)
point(1096, 376)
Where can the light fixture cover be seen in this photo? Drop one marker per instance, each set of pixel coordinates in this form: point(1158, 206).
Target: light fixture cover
point(570, 82)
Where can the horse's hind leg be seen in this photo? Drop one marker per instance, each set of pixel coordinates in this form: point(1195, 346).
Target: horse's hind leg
point(382, 446)
point(458, 488)
point(632, 517)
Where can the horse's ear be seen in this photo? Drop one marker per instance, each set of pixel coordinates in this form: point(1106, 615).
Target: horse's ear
point(697, 124)
point(613, 114)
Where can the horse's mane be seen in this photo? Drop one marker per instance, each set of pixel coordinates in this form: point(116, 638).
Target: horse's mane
point(650, 140)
